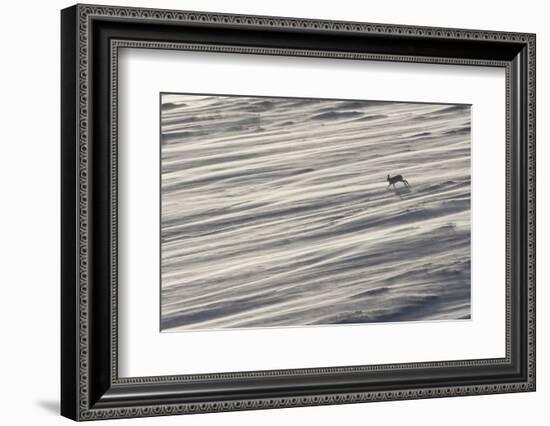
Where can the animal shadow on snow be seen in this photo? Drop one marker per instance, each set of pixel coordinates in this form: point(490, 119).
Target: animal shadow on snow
point(400, 191)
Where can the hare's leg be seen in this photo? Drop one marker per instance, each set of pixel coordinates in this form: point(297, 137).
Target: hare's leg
point(405, 182)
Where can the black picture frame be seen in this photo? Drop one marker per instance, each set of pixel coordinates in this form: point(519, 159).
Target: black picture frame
point(90, 386)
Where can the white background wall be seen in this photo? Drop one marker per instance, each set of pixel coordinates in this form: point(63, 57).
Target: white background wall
point(29, 225)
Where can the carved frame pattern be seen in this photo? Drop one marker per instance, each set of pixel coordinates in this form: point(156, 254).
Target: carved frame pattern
point(85, 13)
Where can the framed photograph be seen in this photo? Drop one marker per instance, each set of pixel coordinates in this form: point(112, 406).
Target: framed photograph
point(263, 212)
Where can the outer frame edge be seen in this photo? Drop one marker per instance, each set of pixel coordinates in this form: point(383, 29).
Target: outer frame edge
point(68, 183)
point(83, 412)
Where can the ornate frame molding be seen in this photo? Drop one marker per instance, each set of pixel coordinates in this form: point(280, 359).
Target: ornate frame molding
point(83, 15)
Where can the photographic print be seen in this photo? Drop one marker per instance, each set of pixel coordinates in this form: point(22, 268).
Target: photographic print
point(281, 212)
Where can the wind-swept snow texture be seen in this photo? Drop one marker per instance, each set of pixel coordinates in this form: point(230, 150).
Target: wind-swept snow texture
point(276, 212)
